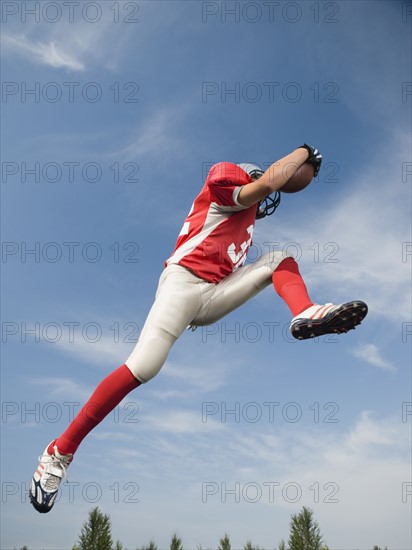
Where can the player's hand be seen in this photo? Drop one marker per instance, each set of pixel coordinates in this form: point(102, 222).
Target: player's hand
point(315, 157)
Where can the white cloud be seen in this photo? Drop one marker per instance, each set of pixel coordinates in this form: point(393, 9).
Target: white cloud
point(103, 352)
point(192, 379)
point(371, 354)
point(99, 344)
point(113, 436)
point(49, 53)
point(180, 422)
point(367, 433)
point(75, 45)
point(157, 136)
point(61, 387)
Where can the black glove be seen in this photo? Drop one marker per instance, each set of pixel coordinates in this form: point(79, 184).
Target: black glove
point(315, 157)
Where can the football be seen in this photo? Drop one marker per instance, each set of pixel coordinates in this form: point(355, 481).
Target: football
point(300, 179)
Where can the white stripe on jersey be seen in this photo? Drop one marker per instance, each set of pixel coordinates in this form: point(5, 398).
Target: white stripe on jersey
point(215, 216)
point(235, 195)
point(185, 229)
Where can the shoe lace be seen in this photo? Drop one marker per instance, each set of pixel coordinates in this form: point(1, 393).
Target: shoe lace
point(52, 481)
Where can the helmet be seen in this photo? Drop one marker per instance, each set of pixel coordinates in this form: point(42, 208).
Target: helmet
point(268, 205)
point(253, 170)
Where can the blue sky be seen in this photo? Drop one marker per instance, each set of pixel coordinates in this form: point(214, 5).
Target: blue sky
point(131, 103)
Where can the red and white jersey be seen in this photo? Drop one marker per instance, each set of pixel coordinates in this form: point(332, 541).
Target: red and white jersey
point(217, 232)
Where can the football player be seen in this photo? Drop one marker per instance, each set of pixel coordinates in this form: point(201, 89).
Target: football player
point(203, 280)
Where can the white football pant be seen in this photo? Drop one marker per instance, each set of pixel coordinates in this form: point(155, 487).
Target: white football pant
point(183, 299)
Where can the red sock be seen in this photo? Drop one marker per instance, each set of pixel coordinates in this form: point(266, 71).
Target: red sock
point(289, 285)
point(104, 399)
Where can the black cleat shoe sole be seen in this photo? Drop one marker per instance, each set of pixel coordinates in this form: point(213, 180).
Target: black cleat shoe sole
point(39, 507)
point(48, 499)
point(344, 318)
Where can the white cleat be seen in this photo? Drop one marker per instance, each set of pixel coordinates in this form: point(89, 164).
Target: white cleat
point(47, 478)
point(317, 320)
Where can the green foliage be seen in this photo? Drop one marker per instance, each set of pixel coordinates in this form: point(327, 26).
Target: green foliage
point(119, 545)
point(304, 532)
point(96, 532)
point(152, 546)
point(224, 543)
point(249, 546)
point(282, 545)
point(176, 543)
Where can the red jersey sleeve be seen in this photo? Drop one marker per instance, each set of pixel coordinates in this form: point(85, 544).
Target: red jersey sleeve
point(224, 182)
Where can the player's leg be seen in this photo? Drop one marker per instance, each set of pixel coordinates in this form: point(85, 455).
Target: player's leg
point(178, 299)
point(107, 395)
point(239, 287)
point(59, 453)
point(309, 319)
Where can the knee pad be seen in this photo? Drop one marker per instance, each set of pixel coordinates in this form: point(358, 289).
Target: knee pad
point(149, 356)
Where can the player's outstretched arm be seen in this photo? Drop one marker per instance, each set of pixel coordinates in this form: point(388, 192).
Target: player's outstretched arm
point(274, 178)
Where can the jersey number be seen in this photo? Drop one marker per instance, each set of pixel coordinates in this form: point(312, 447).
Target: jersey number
point(239, 258)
